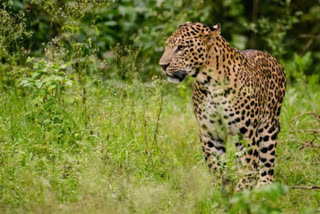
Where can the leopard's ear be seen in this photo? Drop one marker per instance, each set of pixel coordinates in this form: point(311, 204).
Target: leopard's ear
point(215, 31)
point(216, 27)
point(184, 24)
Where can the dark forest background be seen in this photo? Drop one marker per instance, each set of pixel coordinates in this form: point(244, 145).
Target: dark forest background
point(115, 31)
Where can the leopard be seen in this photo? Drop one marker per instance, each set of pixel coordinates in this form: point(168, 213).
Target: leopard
point(236, 95)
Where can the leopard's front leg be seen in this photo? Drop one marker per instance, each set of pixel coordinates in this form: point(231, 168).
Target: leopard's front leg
point(248, 164)
point(267, 145)
point(214, 150)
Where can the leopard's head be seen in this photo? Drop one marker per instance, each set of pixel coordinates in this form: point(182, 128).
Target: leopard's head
point(187, 50)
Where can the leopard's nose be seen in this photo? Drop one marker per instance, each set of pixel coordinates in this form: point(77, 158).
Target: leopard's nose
point(164, 66)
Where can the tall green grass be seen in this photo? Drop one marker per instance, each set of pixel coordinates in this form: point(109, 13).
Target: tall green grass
point(133, 148)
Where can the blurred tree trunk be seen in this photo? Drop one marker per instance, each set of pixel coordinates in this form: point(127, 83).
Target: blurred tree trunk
point(254, 17)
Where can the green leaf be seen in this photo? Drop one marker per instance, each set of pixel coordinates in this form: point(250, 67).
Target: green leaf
point(51, 87)
point(35, 74)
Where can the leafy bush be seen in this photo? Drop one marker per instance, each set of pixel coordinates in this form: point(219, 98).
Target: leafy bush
point(46, 79)
point(263, 200)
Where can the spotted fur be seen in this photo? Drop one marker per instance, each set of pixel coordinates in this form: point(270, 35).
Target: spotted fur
point(234, 94)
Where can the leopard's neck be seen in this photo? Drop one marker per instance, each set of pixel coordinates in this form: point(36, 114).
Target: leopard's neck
point(223, 64)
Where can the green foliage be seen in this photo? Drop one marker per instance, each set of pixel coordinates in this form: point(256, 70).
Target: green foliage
point(297, 67)
point(12, 29)
point(48, 84)
point(263, 200)
point(275, 33)
point(281, 28)
point(46, 79)
point(296, 70)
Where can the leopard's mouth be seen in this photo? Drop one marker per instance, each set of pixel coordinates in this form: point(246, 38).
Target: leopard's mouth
point(177, 76)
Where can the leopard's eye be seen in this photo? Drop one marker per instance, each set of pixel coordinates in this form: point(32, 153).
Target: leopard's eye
point(179, 48)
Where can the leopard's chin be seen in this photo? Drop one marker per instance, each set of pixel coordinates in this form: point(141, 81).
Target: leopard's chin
point(177, 76)
point(174, 80)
